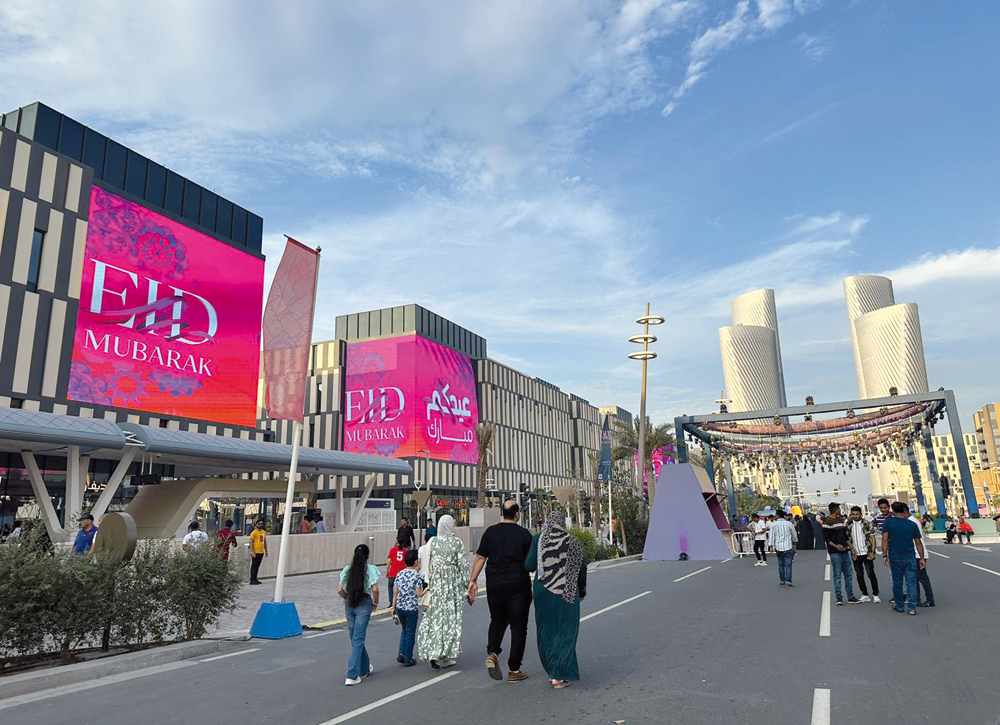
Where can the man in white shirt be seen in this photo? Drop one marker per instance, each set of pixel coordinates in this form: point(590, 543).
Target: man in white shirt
point(862, 536)
point(922, 579)
point(194, 537)
point(759, 530)
point(783, 539)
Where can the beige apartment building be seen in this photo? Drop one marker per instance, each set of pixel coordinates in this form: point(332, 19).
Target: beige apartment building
point(947, 465)
point(987, 421)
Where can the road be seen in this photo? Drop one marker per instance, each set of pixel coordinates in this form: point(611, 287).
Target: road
point(689, 642)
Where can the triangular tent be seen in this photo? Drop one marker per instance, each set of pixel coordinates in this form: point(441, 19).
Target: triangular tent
point(681, 520)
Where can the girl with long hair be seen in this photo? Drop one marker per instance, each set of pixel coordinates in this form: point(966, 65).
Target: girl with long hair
point(359, 590)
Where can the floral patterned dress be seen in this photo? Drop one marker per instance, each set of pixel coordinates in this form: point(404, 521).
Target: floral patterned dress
point(440, 633)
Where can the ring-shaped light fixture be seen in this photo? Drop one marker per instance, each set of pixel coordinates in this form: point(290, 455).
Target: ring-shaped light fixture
point(642, 339)
point(650, 320)
point(642, 355)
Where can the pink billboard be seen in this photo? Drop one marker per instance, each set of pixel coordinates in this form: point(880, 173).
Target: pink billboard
point(404, 395)
point(169, 318)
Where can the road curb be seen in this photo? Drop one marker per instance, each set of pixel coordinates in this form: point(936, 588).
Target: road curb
point(30, 682)
point(610, 562)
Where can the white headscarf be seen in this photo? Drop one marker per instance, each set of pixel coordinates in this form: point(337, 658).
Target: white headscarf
point(446, 526)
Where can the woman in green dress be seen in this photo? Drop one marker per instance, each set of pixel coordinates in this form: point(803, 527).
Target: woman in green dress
point(560, 586)
point(439, 638)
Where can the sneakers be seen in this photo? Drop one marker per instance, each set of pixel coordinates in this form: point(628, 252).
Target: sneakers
point(876, 599)
point(864, 598)
point(493, 667)
point(517, 676)
point(371, 668)
point(789, 584)
point(400, 659)
point(781, 584)
point(912, 612)
point(763, 563)
point(409, 663)
point(355, 681)
point(853, 600)
point(926, 604)
point(757, 563)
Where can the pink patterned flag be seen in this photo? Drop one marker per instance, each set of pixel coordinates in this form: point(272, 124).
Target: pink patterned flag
point(287, 329)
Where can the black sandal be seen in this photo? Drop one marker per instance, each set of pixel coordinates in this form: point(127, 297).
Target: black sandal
point(435, 665)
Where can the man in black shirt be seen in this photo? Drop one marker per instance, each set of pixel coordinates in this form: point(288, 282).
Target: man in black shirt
point(503, 550)
point(406, 531)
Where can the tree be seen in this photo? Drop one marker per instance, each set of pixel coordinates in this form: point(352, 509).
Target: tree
point(657, 437)
point(748, 502)
point(485, 433)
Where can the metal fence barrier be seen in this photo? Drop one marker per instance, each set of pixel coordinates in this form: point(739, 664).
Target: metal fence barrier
point(742, 544)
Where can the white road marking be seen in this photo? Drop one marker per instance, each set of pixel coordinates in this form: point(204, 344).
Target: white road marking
point(391, 698)
point(231, 654)
point(944, 556)
point(821, 707)
point(725, 560)
point(824, 617)
point(982, 568)
point(977, 548)
point(679, 579)
point(826, 576)
point(613, 606)
point(612, 566)
point(322, 634)
point(91, 684)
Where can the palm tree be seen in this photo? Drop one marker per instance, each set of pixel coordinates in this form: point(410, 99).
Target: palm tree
point(657, 437)
point(485, 433)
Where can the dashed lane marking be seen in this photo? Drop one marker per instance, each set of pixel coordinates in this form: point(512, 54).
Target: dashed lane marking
point(231, 654)
point(824, 617)
point(982, 568)
point(826, 576)
point(821, 707)
point(322, 634)
point(391, 698)
point(943, 556)
point(680, 579)
point(613, 606)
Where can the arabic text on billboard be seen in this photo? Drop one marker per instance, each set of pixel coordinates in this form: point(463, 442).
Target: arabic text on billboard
point(405, 395)
point(169, 318)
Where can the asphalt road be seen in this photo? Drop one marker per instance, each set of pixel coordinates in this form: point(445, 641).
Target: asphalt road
point(725, 644)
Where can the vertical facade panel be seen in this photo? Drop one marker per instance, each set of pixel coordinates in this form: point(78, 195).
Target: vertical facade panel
point(25, 343)
point(50, 252)
point(47, 184)
point(25, 232)
point(54, 348)
point(19, 174)
point(76, 270)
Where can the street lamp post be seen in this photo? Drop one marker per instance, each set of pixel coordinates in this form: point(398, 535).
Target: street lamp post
point(645, 355)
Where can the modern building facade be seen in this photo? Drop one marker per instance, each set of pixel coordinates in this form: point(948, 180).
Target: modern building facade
point(865, 293)
point(987, 426)
point(945, 464)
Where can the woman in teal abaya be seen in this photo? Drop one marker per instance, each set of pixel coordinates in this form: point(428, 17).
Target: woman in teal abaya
point(560, 585)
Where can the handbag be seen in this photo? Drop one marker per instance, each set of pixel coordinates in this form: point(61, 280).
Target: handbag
point(425, 598)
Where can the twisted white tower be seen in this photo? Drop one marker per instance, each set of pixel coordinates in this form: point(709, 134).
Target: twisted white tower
point(891, 350)
point(757, 308)
point(750, 366)
point(865, 293)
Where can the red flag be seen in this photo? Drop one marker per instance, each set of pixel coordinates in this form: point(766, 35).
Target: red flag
point(287, 331)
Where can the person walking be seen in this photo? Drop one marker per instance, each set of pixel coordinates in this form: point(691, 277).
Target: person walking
point(320, 525)
point(759, 530)
point(503, 550)
point(862, 536)
point(359, 590)
point(923, 580)
point(784, 538)
point(258, 549)
point(964, 529)
point(560, 585)
point(838, 546)
point(194, 537)
point(406, 531)
point(424, 554)
point(439, 637)
point(884, 512)
point(405, 606)
point(225, 539)
point(85, 536)
point(396, 562)
point(899, 537)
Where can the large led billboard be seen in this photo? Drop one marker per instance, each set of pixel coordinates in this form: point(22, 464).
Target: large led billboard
point(405, 395)
point(169, 318)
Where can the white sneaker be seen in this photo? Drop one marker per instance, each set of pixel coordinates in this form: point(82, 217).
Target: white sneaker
point(763, 563)
point(864, 598)
point(355, 681)
point(756, 563)
point(876, 599)
point(371, 668)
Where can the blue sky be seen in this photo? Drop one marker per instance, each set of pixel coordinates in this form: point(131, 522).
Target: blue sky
point(538, 171)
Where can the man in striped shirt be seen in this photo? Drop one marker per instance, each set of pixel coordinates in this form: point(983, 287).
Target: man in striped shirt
point(783, 539)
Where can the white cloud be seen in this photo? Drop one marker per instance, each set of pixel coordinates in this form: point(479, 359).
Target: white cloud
point(772, 14)
point(813, 47)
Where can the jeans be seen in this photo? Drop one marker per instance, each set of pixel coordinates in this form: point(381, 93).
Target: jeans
point(408, 637)
point(759, 548)
point(509, 607)
point(861, 565)
point(255, 560)
point(924, 581)
point(357, 627)
point(842, 568)
point(392, 583)
point(904, 568)
point(785, 565)
point(967, 535)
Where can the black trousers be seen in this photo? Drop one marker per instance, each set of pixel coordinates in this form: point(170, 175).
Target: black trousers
point(760, 549)
point(861, 565)
point(509, 607)
point(255, 560)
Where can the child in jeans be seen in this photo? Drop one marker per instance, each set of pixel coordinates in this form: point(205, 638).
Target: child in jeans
point(409, 586)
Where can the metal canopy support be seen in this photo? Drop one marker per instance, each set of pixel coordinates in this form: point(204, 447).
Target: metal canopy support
point(56, 531)
point(356, 516)
point(963, 462)
point(917, 483)
point(681, 444)
point(709, 467)
point(732, 490)
point(74, 487)
point(933, 472)
point(104, 500)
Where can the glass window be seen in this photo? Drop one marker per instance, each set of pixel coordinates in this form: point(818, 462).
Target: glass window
point(209, 202)
point(156, 183)
point(115, 160)
point(47, 127)
point(224, 218)
point(174, 200)
point(239, 225)
point(71, 139)
point(35, 261)
point(135, 175)
point(192, 201)
point(255, 232)
point(93, 152)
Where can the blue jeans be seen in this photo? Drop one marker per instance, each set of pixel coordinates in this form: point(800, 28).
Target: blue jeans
point(785, 565)
point(904, 568)
point(357, 627)
point(843, 567)
point(924, 581)
point(392, 583)
point(408, 637)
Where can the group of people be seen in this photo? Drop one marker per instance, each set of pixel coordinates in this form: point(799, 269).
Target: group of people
point(958, 528)
point(429, 590)
point(852, 543)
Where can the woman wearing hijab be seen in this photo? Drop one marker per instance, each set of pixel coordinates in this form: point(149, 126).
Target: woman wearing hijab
point(819, 540)
point(560, 585)
point(359, 589)
point(439, 638)
point(806, 537)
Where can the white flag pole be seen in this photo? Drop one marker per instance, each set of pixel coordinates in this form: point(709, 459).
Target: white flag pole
point(286, 524)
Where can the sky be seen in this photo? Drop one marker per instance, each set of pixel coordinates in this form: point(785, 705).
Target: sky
point(538, 172)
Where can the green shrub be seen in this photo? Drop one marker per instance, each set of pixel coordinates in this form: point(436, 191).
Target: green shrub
point(588, 542)
point(635, 535)
point(199, 588)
